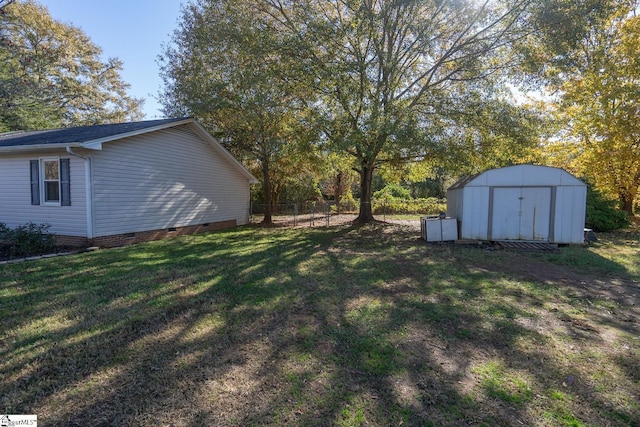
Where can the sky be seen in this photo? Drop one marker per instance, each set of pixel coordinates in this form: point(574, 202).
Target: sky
point(131, 30)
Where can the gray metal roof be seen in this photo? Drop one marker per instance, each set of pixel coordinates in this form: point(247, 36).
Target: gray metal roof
point(519, 175)
point(464, 181)
point(76, 134)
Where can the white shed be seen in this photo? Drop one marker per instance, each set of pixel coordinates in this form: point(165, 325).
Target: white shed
point(523, 202)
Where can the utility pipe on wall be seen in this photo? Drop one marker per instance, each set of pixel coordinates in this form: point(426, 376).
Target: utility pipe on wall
point(88, 190)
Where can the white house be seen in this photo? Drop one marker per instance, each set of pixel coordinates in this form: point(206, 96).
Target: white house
point(122, 183)
point(523, 202)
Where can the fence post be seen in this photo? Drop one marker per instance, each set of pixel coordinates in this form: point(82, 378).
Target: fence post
point(295, 214)
point(328, 212)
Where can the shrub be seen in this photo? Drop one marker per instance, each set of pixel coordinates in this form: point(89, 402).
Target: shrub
point(427, 206)
point(3, 230)
point(4, 245)
point(603, 213)
point(393, 191)
point(26, 240)
point(347, 205)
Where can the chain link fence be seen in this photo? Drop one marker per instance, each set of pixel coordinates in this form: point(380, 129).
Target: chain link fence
point(326, 213)
point(310, 214)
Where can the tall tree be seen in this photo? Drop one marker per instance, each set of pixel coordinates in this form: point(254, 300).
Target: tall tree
point(390, 73)
point(221, 67)
point(602, 106)
point(337, 178)
point(51, 74)
point(388, 81)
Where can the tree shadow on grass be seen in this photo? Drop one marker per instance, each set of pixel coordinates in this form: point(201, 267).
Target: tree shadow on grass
point(340, 326)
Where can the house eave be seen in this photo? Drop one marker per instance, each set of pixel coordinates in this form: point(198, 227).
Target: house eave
point(39, 147)
point(96, 144)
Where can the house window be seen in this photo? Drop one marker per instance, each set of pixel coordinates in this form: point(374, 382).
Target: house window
point(50, 169)
point(50, 182)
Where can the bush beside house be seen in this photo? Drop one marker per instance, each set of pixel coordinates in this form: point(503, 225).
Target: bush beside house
point(26, 240)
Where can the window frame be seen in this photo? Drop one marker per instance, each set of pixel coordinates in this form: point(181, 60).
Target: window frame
point(36, 173)
point(43, 181)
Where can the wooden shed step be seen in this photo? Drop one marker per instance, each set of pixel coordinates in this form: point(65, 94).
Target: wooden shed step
point(527, 246)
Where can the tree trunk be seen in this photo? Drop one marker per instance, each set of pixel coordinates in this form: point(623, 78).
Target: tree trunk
point(338, 191)
point(266, 188)
point(627, 203)
point(275, 197)
point(366, 180)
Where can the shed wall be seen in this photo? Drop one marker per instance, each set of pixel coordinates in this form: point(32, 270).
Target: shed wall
point(455, 205)
point(570, 214)
point(470, 201)
point(475, 219)
point(15, 196)
point(169, 178)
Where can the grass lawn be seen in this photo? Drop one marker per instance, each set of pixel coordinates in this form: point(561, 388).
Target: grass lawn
point(324, 326)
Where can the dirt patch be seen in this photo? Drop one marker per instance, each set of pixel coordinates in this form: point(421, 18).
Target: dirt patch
point(580, 283)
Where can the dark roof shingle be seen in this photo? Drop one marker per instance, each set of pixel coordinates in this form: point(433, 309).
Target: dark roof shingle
point(76, 134)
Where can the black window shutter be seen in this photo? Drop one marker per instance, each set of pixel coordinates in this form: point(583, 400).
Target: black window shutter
point(65, 183)
point(35, 182)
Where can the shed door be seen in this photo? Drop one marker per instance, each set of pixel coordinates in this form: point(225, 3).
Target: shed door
point(521, 213)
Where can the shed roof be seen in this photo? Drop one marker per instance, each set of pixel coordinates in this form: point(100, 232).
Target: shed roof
point(520, 175)
point(464, 181)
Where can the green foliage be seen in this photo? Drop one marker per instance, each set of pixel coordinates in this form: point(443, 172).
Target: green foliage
point(392, 192)
point(347, 205)
point(603, 213)
point(395, 199)
point(337, 180)
point(52, 75)
point(427, 206)
point(382, 83)
point(392, 110)
point(599, 103)
point(26, 240)
point(562, 29)
point(301, 188)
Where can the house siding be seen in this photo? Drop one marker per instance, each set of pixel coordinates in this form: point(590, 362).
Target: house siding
point(145, 236)
point(165, 179)
point(15, 196)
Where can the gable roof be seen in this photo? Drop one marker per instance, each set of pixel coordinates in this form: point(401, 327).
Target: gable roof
point(519, 175)
point(77, 136)
point(93, 137)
